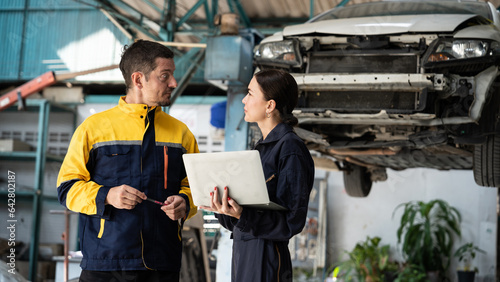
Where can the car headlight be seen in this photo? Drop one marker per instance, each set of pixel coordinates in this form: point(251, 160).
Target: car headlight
point(447, 50)
point(282, 52)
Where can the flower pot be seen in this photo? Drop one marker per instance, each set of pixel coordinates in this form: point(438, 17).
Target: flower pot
point(433, 276)
point(466, 276)
point(390, 276)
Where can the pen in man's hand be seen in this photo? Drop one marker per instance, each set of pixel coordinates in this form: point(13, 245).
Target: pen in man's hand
point(156, 202)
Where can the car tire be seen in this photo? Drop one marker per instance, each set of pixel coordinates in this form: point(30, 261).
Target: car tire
point(487, 162)
point(357, 181)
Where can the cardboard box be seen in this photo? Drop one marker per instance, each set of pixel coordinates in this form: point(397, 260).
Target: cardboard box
point(48, 251)
point(11, 145)
point(64, 94)
point(45, 269)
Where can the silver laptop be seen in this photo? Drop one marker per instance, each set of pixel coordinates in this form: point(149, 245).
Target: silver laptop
point(240, 171)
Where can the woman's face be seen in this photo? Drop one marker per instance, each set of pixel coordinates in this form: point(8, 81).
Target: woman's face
point(255, 103)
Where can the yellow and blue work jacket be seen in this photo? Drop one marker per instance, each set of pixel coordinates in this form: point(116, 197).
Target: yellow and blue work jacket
point(141, 147)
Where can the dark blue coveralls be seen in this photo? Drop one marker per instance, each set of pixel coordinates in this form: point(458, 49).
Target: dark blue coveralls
point(260, 237)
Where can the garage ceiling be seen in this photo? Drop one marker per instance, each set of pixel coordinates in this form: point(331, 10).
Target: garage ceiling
point(192, 20)
point(188, 22)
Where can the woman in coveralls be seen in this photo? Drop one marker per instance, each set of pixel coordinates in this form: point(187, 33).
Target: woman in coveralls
point(260, 237)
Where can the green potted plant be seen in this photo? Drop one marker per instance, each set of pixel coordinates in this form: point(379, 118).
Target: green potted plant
point(426, 234)
point(368, 262)
point(466, 254)
point(411, 273)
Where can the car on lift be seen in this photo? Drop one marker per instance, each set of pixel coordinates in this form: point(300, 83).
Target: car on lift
point(396, 84)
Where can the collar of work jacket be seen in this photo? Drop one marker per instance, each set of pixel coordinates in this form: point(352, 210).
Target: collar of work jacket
point(136, 109)
point(276, 133)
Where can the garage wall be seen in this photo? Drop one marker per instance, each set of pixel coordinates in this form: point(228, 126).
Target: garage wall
point(351, 220)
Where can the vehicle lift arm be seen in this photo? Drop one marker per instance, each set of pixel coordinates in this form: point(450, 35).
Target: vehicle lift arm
point(38, 83)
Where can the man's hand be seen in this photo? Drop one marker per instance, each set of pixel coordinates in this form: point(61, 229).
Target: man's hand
point(175, 207)
point(124, 197)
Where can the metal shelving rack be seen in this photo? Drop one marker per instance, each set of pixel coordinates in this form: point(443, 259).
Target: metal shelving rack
point(40, 157)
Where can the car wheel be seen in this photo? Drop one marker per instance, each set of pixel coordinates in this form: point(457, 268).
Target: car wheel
point(357, 181)
point(487, 162)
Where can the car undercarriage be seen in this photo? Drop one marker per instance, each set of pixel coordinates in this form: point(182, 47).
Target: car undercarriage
point(376, 99)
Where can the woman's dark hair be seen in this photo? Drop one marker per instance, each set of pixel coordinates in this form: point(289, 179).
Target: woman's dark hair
point(281, 87)
point(141, 56)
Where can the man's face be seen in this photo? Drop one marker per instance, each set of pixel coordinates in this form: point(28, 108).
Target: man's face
point(158, 88)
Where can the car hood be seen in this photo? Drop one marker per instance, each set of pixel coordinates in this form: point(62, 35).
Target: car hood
point(380, 25)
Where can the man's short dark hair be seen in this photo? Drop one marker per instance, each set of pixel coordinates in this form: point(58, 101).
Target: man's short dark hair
point(141, 56)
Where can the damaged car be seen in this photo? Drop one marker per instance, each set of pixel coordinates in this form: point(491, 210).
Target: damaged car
point(398, 85)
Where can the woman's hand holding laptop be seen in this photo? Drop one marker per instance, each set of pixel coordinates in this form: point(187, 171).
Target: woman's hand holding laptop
point(226, 205)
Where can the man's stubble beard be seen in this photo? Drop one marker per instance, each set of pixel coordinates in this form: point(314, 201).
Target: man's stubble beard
point(165, 104)
point(168, 102)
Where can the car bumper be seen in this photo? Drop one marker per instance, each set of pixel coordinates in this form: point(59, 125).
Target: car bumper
point(391, 82)
point(375, 82)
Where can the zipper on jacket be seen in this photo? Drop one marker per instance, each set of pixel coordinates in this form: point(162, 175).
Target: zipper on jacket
point(165, 162)
point(279, 262)
point(146, 125)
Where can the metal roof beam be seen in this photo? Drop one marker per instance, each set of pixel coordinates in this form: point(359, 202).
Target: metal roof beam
point(153, 6)
point(343, 3)
point(191, 12)
point(136, 26)
point(241, 12)
point(187, 58)
point(167, 33)
point(126, 7)
point(183, 83)
point(138, 22)
point(209, 15)
point(311, 9)
point(215, 7)
point(117, 24)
